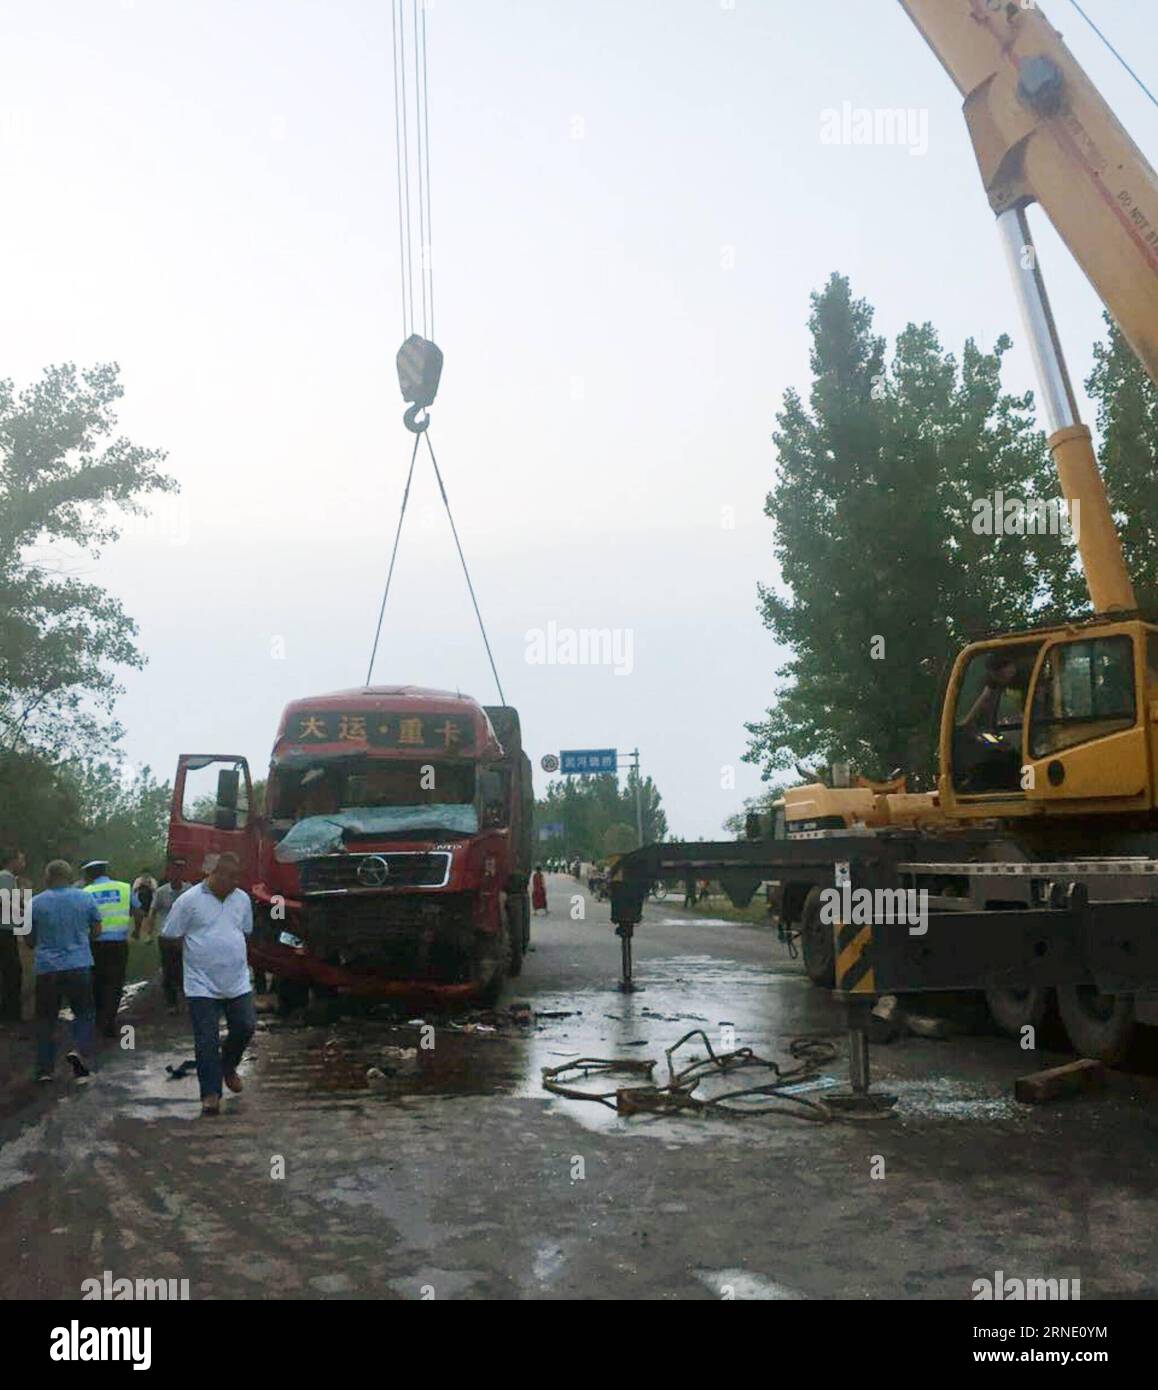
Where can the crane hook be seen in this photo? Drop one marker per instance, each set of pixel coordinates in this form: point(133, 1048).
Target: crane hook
point(419, 370)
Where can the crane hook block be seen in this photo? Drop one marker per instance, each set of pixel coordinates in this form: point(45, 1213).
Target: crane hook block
point(419, 370)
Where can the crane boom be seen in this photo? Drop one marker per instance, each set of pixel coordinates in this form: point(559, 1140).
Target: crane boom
point(1043, 133)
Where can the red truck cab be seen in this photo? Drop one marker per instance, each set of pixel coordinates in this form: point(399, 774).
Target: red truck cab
point(391, 856)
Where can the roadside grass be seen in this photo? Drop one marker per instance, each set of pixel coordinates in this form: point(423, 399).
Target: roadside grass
point(754, 915)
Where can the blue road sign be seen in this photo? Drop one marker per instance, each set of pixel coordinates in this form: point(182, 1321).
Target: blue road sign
point(579, 760)
point(553, 830)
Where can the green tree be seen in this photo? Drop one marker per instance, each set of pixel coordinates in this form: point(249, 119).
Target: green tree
point(41, 810)
point(1127, 415)
point(652, 814)
point(586, 806)
point(883, 575)
point(761, 805)
point(619, 838)
point(64, 475)
point(79, 812)
point(126, 821)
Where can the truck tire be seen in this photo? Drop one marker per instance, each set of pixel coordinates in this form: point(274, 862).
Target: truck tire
point(1015, 1009)
point(816, 944)
point(489, 995)
point(495, 962)
point(1101, 1026)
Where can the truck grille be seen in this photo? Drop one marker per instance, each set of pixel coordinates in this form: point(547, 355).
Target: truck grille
point(344, 873)
point(412, 936)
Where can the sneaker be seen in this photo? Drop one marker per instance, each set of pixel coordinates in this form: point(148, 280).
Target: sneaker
point(233, 1081)
point(211, 1105)
point(76, 1062)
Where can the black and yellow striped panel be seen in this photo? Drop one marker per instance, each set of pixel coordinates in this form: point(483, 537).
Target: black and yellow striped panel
point(854, 959)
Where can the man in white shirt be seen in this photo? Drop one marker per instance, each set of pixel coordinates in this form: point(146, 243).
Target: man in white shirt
point(213, 920)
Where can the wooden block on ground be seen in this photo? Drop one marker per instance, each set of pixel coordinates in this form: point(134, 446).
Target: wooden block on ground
point(1083, 1075)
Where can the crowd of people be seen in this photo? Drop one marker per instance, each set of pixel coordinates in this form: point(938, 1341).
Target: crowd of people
point(79, 931)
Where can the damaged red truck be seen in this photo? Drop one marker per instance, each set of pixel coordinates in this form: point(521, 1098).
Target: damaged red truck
point(391, 857)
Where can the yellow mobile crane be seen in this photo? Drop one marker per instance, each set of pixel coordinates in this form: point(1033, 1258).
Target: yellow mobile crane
point(1057, 722)
point(1051, 734)
point(1055, 732)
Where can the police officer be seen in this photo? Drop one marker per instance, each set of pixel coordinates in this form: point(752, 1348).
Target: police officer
point(110, 951)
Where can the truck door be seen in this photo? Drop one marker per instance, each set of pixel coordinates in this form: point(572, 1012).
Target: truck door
point(212, 812)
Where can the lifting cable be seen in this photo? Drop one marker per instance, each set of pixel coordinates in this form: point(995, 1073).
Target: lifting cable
point(1114, 51)
point(419, 358)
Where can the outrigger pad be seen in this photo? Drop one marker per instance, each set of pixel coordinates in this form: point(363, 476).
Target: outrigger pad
point(419, 370)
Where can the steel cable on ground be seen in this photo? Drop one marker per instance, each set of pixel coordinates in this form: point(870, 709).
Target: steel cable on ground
point(678, 1093)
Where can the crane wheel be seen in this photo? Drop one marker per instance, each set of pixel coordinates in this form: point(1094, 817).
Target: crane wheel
point(816, 945)
point(1015, 1009)
point(1099, 1025)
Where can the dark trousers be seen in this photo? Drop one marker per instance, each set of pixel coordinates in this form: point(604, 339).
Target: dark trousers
point(213, 1060)
point(11, 977)
point(172, 968)
point(57, 987)
point(109, 961)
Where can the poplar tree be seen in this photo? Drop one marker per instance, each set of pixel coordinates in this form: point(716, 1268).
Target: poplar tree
point(881, 479)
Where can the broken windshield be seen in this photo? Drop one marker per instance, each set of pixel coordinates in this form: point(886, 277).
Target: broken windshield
point(326, 834)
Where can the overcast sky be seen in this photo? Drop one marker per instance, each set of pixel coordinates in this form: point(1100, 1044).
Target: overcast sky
point(631, 205)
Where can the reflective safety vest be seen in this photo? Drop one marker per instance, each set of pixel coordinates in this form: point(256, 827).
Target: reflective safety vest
point(114, 901)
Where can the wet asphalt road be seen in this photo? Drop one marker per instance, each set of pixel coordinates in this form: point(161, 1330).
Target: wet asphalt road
point(459, 1177)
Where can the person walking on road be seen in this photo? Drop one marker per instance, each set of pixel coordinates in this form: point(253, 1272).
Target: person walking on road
point(212, 921)
point(65, 921)
point(11, 970)
point(144, 886)
point(538, 890)
point(110, 952)
point(162, 904)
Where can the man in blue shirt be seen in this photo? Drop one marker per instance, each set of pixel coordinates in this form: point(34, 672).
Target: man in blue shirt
point(65, 921)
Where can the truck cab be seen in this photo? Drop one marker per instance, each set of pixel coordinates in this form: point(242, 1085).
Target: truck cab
point(392, 854)
point(1053, 722)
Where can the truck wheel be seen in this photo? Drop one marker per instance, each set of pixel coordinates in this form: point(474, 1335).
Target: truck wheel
point(816, 943)
point(489, 996)
point(1099, 1025)
point(1015, 1009)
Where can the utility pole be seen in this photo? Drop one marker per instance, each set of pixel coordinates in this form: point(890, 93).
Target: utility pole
point(638, 798)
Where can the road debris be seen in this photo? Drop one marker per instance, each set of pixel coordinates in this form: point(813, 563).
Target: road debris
point(1071, 1079)
point(889, 1021)
point(679, 1091)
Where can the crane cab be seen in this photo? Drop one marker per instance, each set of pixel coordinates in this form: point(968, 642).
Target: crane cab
point(1055, 722)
